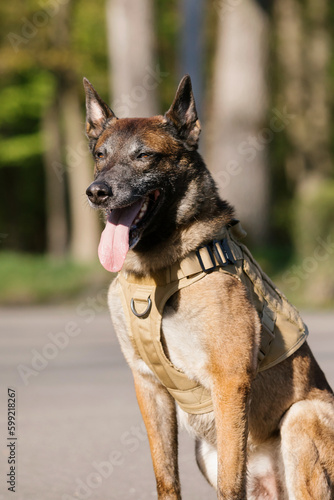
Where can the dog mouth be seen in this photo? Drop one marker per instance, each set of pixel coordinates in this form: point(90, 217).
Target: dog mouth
point(146, 213)
point(124, 229)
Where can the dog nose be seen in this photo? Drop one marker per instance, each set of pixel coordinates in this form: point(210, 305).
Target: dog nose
point(98, 192)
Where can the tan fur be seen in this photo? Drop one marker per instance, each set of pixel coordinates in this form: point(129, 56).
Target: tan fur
point(162, 433)
point(271, 434)
point(248, 407)
point(178, 247)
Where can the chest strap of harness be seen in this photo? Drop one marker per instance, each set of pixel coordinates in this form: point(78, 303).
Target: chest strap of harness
point(144, 299)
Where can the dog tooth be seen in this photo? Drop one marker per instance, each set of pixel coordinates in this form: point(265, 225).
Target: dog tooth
point(143, 209)
point(141, 213)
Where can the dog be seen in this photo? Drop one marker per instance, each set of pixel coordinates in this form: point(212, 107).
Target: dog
point(186, 307)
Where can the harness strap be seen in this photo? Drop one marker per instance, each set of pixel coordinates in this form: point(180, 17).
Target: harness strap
point(148, 297)
point(144, 299)
point(207, 258)
point(224, 253)
point(268, 319)
point(146, 337)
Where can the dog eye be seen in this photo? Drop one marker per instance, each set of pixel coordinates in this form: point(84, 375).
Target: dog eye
point(143, 155)
point(99, 154)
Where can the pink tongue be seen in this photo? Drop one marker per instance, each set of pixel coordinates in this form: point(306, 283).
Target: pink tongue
point(114, 242)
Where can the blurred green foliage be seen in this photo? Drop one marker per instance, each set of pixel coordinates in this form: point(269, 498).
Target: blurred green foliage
point(26, 279)
point(30, 62)
point(31, 57)
point(313, 216)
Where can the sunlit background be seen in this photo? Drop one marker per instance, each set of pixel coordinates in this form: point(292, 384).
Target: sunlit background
point(263, 80)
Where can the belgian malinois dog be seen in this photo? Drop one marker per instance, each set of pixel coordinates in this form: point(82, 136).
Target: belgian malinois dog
point(267, 431)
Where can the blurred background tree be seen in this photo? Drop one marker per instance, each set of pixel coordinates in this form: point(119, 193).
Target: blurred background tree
point(263, 77)
point(238, 135)
point(132, 57)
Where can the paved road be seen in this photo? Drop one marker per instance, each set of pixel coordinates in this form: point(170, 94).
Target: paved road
point(79, 431)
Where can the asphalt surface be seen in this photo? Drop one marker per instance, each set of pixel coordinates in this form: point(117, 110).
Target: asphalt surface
point(79, 431)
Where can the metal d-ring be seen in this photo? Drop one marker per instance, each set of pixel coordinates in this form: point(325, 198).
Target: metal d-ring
point(147, 310)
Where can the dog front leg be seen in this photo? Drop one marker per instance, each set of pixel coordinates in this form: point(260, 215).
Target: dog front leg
point(158, 410)
point(230, 399)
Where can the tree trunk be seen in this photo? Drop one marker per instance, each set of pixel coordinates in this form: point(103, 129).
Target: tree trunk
point(191, 45)
point(56, 223)
point(84, 221)
point(238, 136)
point(134, 75)
point(303, 48)
point(84, 227)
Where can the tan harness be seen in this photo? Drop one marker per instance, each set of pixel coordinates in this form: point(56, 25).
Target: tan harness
point(144, 299)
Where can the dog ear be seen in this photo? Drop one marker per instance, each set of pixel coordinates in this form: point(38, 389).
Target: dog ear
point(97, 111)
point(183, 115)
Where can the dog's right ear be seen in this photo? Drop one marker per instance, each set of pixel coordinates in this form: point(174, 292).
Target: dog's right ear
point(97, 111)
point(183, 115)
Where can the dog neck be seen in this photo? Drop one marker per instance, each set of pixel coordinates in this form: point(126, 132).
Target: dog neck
point(178, 246)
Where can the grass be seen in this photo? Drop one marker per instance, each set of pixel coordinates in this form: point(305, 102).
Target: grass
point(38, 279)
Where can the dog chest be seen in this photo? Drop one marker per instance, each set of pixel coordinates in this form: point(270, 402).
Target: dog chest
point(166, 334)
point(183, 342)
point(181, 338)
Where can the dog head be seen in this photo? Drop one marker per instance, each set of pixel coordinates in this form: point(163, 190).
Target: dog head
point(144, 170)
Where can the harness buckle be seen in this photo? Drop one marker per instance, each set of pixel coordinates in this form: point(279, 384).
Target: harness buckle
point(223, 252)
point(200, 260)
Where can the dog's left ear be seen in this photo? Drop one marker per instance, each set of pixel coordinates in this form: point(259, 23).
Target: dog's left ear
point(183, 115)
point(97, 111)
